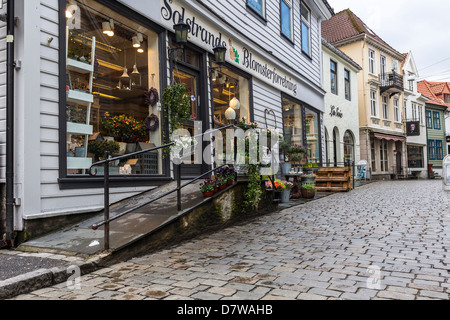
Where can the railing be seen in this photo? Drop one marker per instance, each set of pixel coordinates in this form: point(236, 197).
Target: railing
point(107, 160)
point(392, 79)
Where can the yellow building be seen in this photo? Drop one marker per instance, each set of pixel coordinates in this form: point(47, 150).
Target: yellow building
point(380, 93)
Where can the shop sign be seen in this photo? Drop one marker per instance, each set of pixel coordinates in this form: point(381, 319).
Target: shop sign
point(336, 112)
point(206, 36)
point(413, 128)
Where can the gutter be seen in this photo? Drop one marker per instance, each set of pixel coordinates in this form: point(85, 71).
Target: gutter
point(10, 65)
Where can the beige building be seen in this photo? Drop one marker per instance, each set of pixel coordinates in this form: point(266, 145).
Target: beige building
point(380, 92)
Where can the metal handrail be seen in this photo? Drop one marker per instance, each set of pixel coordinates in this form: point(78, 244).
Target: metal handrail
point(107, 160)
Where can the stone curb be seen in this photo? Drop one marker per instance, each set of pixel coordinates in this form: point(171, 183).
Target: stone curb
point(42, 278)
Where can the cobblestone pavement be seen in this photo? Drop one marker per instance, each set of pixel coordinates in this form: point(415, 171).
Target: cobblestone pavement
point(385, 240)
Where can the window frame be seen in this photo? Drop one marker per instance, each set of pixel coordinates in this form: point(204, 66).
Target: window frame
point(383, 66)
point(288, 3)
point(259, 15)
point(429, 118)
point(307, 23)
point(437, 119)
point(431, 149)
point(373, 103)
point(439, 150)
point(384, 156)
point(385, 102)
point(335, 73)
point(396, 110)
point(372, 64)
point(347, 85)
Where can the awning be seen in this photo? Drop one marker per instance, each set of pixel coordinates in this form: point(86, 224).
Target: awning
point(388, 137)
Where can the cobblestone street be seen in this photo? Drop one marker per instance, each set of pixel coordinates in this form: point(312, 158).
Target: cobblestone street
point(385, 240)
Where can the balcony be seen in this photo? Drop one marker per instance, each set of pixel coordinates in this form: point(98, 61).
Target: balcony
point(391, 83)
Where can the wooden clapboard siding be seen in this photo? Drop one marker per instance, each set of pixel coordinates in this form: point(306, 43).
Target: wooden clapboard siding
point(268, 35)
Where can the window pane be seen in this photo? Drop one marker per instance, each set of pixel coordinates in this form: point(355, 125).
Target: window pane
point(257, 5)
point(304, 12)
point(286, 19)
point(312, 135)
point(106, 106)
point(305, 38)
point(292, 118)
point(415, 157)
point(228, 85)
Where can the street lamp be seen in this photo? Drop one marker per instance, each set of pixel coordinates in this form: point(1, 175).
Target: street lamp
point(219, 57)
point(181, 32)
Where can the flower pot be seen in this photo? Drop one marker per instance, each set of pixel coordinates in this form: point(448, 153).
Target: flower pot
point(308, 194)
point(216, 190)
point(208, 194)
point(286, 168)
point(222, 187)
point(230, 182)
point(285, 196)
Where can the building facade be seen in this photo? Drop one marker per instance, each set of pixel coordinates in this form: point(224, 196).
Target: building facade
point(435, 114)
point(415, 114)
point(85, 66)
point(381, 93)
point(341, 118)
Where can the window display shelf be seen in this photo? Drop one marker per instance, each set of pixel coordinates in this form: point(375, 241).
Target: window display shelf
point(80, 97)
point(79, 128)
point(78, 163)
point(78, 66)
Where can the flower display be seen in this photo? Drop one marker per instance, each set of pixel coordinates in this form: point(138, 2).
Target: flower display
point(125, 129)
point(278, 185)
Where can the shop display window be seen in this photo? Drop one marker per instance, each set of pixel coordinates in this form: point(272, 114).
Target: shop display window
point(292, 119)
point(112, 85)
point(312, 135)
point(231, 97)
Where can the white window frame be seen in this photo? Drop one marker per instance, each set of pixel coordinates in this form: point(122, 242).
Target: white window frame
point(383, 65)
point(414, 111)
point(263, 8)
point(373, 103)
point(396, 110)
point(421, 115)
point(384, 157)
point(395, 65)
point(372, 59)
point(291, 18)
point(385, 101)
point(307, 22)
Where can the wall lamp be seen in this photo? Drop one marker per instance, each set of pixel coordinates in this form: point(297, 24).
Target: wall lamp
point(181, 34)
point(219, 57)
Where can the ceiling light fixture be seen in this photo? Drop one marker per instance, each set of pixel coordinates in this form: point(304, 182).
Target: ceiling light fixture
point(108, 28)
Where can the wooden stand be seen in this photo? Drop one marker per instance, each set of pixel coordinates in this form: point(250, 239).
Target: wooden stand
point(334, 179)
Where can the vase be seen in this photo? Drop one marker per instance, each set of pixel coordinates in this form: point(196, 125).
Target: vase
point(286, 168)
point(285, 196)
point(131, 147)
point(122, 148)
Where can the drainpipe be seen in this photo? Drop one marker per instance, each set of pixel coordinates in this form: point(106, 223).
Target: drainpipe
point(10, 124)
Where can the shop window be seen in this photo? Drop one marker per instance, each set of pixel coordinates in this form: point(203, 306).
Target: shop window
point(112, 63)
point(312, 135)
point(293, 122)
point(415, 157)
point(231, 97)
point(373, 156)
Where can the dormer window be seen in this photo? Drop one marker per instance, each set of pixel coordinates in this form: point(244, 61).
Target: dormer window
point(446, 98)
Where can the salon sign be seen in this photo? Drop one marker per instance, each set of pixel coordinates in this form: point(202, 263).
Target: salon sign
point(206, 36)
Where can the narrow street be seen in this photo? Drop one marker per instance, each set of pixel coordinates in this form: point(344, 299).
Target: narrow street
point(385, 240)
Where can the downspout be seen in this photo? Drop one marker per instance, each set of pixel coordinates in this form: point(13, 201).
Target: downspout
point(10, 124)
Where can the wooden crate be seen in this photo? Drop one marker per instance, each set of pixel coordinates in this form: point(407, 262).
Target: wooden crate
point(334, 179)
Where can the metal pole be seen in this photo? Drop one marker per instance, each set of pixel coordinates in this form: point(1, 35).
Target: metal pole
point(106, 200)
point(179, 186)
point(10, 124)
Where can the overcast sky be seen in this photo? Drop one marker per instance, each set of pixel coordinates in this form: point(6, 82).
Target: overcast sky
point(422, 27)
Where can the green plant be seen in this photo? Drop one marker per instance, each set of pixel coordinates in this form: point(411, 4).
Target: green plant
point(177, 107)
point(308, 186)
point(98, 148)
point(207, 186)
point(125, 129)
point(254, 189)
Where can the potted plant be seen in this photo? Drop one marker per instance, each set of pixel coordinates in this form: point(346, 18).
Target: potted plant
point(125, 130)
point(98, 148)
point(207, 188)
point(286, 193)
point(308, 190)
point(222, 182)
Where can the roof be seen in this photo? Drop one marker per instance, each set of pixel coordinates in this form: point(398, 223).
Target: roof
point(345, 25)
point(341, 54)
point(329, 7)
point(434, 91)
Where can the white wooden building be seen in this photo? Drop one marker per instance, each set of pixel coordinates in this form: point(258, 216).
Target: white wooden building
point(75, 63)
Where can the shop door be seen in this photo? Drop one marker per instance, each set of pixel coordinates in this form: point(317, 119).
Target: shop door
point(190, 79)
